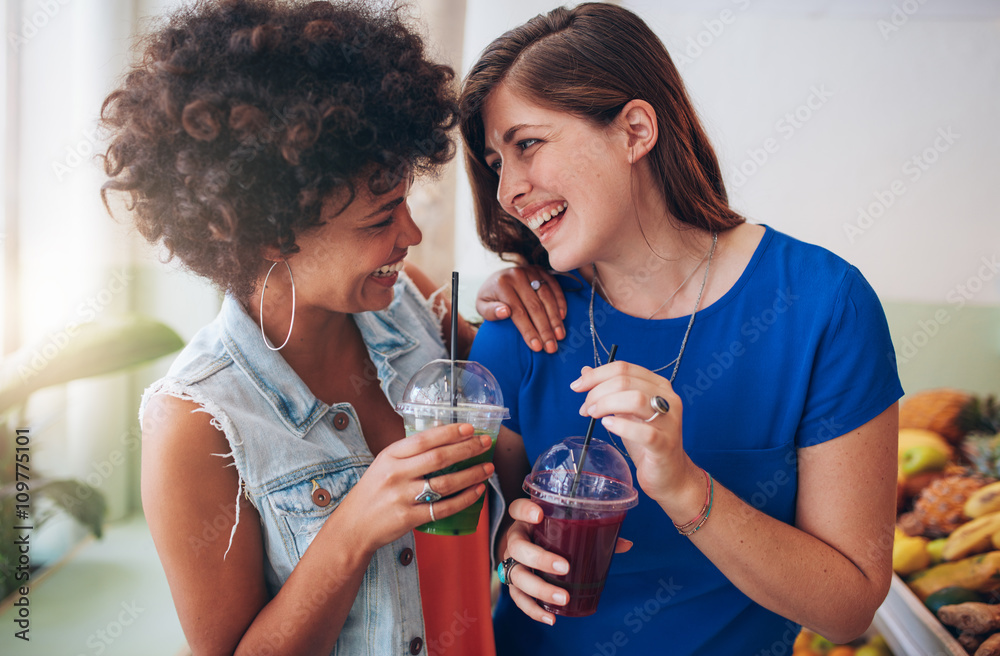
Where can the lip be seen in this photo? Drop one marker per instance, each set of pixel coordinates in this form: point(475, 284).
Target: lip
point(390, 279)
point(547, 229)
point(537, 214)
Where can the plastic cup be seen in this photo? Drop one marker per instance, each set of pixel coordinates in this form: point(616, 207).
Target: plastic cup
point(454, 392)
point(581, 526)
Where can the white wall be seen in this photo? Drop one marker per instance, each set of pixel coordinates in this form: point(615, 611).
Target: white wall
point(886, 80)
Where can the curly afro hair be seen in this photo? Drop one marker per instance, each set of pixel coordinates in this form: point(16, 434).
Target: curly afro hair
point(241, 116)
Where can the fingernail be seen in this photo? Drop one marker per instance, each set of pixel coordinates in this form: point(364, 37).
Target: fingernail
point(549, 620)
point(583, 411)
point(488, 468)
point(503, 312)
point(560, 566)
point(485, 440)
point(560, 598)
point(536, 345)
point(550, 346)
point(536, 517)
point(560, 332)
point(607, 422)
point(576, 384)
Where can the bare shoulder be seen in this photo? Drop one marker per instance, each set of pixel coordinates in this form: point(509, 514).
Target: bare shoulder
point(190, 495)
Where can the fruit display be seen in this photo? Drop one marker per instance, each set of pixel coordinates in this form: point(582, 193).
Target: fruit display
point(810, 643)
point(947, 539)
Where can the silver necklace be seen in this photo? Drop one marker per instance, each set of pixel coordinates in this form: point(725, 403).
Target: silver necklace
point(607, 294)
point(596, 339)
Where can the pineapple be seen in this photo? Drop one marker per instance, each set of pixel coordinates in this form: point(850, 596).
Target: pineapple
point(981, 446)
point(945, 411)
point(938, 508)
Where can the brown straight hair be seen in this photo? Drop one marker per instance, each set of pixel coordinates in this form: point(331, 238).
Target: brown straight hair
point(590, 61)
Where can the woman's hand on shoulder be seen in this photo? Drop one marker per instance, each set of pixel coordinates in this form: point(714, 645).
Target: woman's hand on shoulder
point(189, 495)
point(537, 313)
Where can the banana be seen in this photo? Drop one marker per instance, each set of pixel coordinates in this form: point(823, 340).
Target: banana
point(984, 500)
point(972, 537)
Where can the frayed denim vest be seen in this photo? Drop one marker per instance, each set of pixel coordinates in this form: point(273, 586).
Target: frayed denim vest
point(286, 444)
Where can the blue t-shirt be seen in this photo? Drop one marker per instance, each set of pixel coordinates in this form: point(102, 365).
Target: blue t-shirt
point(796, 353)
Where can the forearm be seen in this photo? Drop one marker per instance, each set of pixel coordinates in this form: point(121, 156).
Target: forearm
point(789, 571)
point(309, 611)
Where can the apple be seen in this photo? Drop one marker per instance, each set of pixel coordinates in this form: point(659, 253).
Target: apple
point(922, 458)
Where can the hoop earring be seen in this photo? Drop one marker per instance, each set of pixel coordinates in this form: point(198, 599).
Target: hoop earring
point(292, 324)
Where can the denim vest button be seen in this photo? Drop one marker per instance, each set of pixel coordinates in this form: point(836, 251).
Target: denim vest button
point(406, 556)
point(340, 420)
point(416, 645)
point(321, 497)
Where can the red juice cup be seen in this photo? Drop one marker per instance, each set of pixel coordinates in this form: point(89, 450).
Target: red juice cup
point(581, 519)
point(454, 392)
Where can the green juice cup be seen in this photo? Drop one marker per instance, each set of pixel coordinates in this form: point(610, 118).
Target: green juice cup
point(454, 392)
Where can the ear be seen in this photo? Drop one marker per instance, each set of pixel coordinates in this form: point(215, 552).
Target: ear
point(638, 120)
point(272, 253)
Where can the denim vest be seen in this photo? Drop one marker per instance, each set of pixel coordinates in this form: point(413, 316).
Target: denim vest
point(286, 443)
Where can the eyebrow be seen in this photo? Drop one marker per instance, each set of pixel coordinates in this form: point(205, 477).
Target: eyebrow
point(508, 136)
point(388, 207)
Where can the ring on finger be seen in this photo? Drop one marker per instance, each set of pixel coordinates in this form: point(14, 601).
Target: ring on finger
point(536, 284)
point(427, 495)
point(505, 568)
point(659, 406)
point(430, 506)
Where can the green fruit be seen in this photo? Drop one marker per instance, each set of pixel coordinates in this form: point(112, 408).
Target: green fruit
point(950, 595)
point(879, 641)
point(820, 644)
point(870, 650)
point(922, 458)
point(935, 548)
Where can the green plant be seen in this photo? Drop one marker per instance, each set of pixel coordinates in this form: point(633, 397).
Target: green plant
point(104, 346)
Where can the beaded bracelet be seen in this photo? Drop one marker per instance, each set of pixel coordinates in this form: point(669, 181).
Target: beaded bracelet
point(692, 527)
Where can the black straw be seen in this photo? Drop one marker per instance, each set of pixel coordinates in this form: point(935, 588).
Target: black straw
point(454, 335)
point(590, 433)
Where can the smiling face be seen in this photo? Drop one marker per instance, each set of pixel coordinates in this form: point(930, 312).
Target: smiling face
point(565, 178)
point(351, 262)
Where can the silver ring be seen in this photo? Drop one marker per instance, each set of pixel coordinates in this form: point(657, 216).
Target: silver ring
point(504, 569)
point(430, 505)
point(536, 284)
point(427, 495)
point(659, 406)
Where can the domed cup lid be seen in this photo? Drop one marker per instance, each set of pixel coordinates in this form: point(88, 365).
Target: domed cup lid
point(475, 390)
point(605, 480)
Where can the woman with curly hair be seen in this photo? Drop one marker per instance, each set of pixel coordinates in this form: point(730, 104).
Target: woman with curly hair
point(751, 391)
point(270, 147)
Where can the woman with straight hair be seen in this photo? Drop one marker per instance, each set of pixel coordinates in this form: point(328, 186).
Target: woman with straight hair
point(754, 393)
